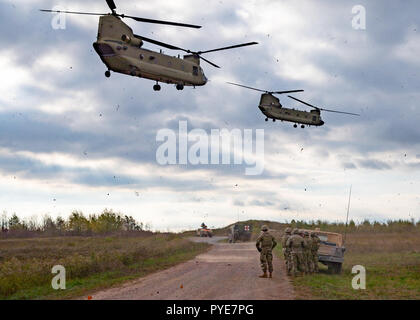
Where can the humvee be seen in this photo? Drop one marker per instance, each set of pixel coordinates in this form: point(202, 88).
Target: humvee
point(204, 231)
point(239, 232)
point(331, 250)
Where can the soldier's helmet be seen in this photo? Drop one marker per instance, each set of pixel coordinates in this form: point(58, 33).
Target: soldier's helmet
point(264, 228)
point(288, 230)
point(295, 231)
point(313, 235)
point(306, 234)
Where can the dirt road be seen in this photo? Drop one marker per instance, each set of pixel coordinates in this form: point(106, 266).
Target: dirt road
point(226, 272)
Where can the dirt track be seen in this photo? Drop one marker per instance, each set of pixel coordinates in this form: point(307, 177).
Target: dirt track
point(226, 272)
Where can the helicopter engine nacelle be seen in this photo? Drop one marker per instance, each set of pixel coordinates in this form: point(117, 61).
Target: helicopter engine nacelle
point(131, 40)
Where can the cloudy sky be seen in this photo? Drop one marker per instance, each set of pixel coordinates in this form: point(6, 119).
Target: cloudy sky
point(70, 139)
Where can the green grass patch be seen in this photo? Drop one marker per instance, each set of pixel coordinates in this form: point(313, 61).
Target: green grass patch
point(390, 275)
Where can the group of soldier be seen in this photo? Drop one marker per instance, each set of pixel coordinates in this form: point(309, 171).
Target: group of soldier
point(300, 249)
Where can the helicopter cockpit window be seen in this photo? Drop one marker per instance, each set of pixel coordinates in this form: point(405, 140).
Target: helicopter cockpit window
point(195, 71)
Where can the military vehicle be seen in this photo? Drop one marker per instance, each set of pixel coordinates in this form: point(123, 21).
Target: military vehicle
point(239, 232)
point(331, 250)
point(204, 231)
point(271, 107)
point(122, 51)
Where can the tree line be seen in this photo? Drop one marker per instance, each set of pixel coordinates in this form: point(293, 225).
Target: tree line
point(400, 225)
point(107, 222)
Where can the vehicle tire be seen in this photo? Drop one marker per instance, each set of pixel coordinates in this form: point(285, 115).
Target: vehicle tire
point(107, 73)
point(334, 268)
point(338, 267)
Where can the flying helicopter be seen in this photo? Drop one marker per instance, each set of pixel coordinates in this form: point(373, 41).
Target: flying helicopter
point(271, 107)
point(122, 51)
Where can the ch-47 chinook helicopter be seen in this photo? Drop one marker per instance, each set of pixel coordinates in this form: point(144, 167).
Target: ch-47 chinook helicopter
point(121, 51)
point(271, 107)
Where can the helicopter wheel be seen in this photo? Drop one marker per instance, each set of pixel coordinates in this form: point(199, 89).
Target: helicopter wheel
point(179, 87)
point(266, 119)
point(107, 73)
point(157, 87)
point(274, 120)
point(295, 126)
point(303, 127)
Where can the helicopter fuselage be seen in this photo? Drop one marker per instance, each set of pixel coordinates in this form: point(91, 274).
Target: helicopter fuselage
point(122, 52)
point(271, 107)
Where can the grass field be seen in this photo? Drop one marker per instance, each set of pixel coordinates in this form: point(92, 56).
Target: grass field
point(392, 262)
point(91, 262)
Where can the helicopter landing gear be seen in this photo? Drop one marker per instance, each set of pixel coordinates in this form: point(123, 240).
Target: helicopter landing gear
point(157, 87)
point(107, 73)
point(302, 126)
point(266, 119)
point(180, 87)
point(295, 126)
point(274, 120)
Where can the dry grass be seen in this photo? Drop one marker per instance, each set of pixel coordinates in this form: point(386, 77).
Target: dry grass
point(392, 262)
point(25, 264)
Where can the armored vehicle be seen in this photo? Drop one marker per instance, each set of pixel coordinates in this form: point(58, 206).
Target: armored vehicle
point(331, 250)
point(239, 232)
point(204, 231)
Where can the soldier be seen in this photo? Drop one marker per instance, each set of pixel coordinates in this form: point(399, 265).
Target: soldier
point(304, 250)
point(296, 244)
point(314, 250)
point(265, 244)
point(308, 253)
point(286, 250)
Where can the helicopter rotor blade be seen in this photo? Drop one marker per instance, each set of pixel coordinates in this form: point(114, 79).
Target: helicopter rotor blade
point(265, 91)
point(159, 43)
point(209, 62)
point(284, 92)
point(228, 48)
point(170, 23)
point(172, 47)
point(111, 5)
point(74, 12)
point(303, 102)
point(130, 17)
point(240, 85)
point(335, 111)
point(327, 110)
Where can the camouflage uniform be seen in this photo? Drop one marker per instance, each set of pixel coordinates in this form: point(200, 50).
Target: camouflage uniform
point(314, 250)
point(265, 244)
point(304, 251)
point(296, 244)
point(308, 253)
point(286, 250)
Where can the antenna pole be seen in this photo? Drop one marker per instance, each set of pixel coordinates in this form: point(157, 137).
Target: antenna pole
point(347, 219)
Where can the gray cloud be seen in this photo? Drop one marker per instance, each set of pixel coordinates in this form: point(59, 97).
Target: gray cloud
point(363, 74)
